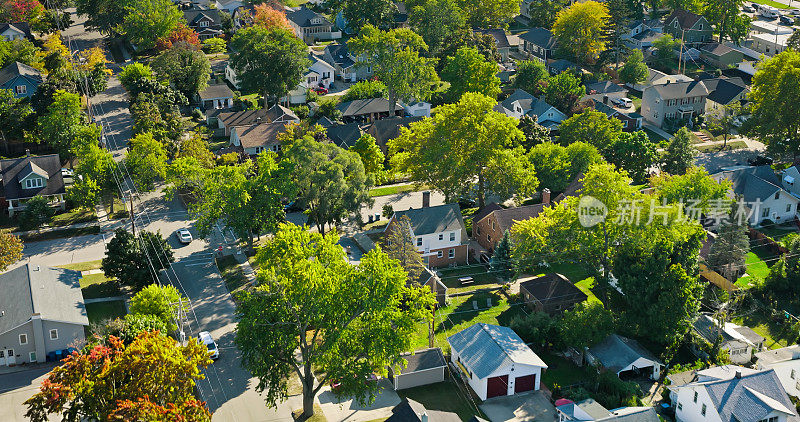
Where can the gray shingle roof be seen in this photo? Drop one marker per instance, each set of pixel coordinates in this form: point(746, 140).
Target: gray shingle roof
point(500, 36)
point(552, 288)
point(778, 355)
point(530, 105)
point(751, 182)
point(749, 398)
point(54, 293)
point(22, 27)
point(725, 90)
point(617, 352)
point(603, 87)
point(422, 360)
point(384, 130)
point(260, 134)
point(19, 69)
point(14, 169)
point(484, 348)
point(411, 411)
point(686, 20)
point(340, 55)
point(193, 16)
point(540, 37)
point(440, 218)
point(344, 136)
point(216, 91)
point(677, 90)
point(303, 16)
point(707, 328)
point(366, 106)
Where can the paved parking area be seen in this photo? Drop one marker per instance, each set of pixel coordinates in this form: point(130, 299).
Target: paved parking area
point(533, 406)
point(16, 387)
point(349, 410)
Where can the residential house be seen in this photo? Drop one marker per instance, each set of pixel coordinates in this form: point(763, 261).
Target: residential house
point(489, 229)
point(740, 342)
point(723, 92)
point(30, 176)
point(325, 70)
point(589, 410)
point(786, 364)
point(412, 411)
point(430, 279)
point(572, 189)
point(562, 65)
point(439, 233)
point(769, 44)
point(423, 367)
point(642, 33)
point(21, 79)
point(766, 27)
point(368, 110)
point(631, 120)
point(504, 41)
point(275, 114)
point(41, 313)
point(747, 397)
point(206, 22)
point(495, 361)
point(229, 6)
point(15, 31)
point(625, 357)
point(520, 103)
point(715, 373)
point(344, 135)
point(656, 77)
point(539, 43)
point(216, 96)
point(401, 15)
point(761, 190)
point(690, 27)
point(258, 137)
point(417, 108)
point(232, 77)
point(550, 293)
point(604, 91)
point(720, 55)
point(789, 180)
point(677, 102)
point(338, 56)
point(311, 26)
point(385, 130)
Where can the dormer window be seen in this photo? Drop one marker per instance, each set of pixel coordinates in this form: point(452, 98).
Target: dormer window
point(33, 183)
point(701, 27)
point(676, 24)
point(204, 24)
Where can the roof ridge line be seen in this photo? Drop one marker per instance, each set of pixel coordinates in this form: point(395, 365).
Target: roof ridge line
point(483, 327)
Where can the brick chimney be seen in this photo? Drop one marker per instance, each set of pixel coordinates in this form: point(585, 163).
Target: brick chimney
point(546, 196)
point(426, 199)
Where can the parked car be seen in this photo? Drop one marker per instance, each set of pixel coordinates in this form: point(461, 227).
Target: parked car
point(748, 9)
point(626, 102)
point(184, 236)
point(787, 20)
point(760, 160)
point(321, 90)
point(795, 12)
point(67, 172)
point(205, 338)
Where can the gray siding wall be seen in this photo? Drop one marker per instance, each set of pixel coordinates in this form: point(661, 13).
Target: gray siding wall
point(415, 379)
point(69, 335)
point(10, 340)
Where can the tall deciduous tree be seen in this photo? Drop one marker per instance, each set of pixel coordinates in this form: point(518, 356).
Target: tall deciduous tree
point(133, 261)
point(395, 59)
point(185, 67)
point(680, 153)
point(400, 246)
point(531, 74)
point(103, 15)
point(466, 144)
point(181, 34)
point(563, 91)
point(469, 71)
point(580, 30)
point(146, 21)
point(728, 253)
point(694, 185)
point(592, 127)
point(665, 49)
point(377, 13)
point(16, 117)
point(501, 264)
point(146, 160)
point(270, 62)
point(148, 379)
point(543, 12)
point(162, 302)
point(720, 121)
point(435, 20)
point(775, 93)
point(63, 124)
point(534, 133)
point(634, 71)
point(634, 153)
point(557, 166)
point(489, 13)
point(270, 17)
point(369, 151)
point(723, 15)
point(585, 325)
point(313, 311)
point(10, 249)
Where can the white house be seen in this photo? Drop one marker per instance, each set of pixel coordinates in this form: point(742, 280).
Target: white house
point(228, 5)
point(417, 109)
point(15, 31)
point(761, 190)
point(439, 232)
point(521, 103)
point(790, 180)
point(495, 361)
point(624, 356)
point(715, 373)
point(746, 397)
point(740, 342)
point(590, 410)
point(786, 363)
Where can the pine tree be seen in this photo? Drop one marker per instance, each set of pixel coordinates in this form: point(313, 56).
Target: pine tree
point(679, 155)
point(400, 246)
point(729, 251)
point(500, 263)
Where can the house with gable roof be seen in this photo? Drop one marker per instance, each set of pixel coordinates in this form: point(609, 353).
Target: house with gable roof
point(624, 356)
point(590, 410)
point(739, 341)
point(786, 363)
point(520, 103)
point(495, 361)
point(31, 176)
point(439, 232)
point(692, 28)
point(673, 101)
point(310, 26)
point(15, 31)
point(338, 56)
point(761, 190)
point(206, 22)
point(539, 43)
point(21, 79)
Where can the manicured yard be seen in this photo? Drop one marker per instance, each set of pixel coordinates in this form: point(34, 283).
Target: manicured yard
point(84, 266)
point(654, 137)
point(778, 232)
point(772, 331)
point(233, 275)
point(442, 396)
point(758, 261)
point(59, 234)
point(105, 310)
point(73, 217)
point(732, 145)
point(94, 286)
point(395, 189)
point(587, 285)
point(483, 279)
point(560, 371)
point(771, 3)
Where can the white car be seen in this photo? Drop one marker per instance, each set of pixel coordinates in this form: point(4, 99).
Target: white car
point(623, 102)
point(67, 172)
point(184, 236)
point(205, 338)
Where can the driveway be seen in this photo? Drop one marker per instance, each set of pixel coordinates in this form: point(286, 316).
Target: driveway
point(349, 410)
point(17, 387)
point(533, 406)
point(713, 161)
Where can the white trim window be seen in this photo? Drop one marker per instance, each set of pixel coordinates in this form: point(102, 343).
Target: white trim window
point(451, 253)
point(54, 334)
point(21, 89)
point(32, 356)
point(23, 339)
point(36, 182)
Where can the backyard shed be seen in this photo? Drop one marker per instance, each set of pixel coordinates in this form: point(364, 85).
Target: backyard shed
point(424, 367)
point(625, 357)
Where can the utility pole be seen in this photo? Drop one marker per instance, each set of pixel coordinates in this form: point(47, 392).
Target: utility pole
point(133, 219)
point(680, 54)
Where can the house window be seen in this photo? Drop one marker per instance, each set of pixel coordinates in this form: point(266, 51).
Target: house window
point(680, 406)
point(419, 241)
point(204, 24)
point(695, 396)
point(23, 339)
point(451, 253)
point(703, 410)
point(489, 237)
point(53, 334)
point(452, 237)
point(772, 419)
point(765, 213)
point(478, 230)
point(441, 236)
point(792, 374)
point(777, 195)
point(33, 183)
point(21, 89)
point(32, 356)
point(788, 207)
point(439, 254)
point(701, 26)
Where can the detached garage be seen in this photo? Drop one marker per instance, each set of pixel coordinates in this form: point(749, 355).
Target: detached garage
point(625, 357)
point(424, 367)
point(495, 361)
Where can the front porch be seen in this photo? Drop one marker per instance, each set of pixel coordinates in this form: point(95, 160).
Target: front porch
point(19, 205)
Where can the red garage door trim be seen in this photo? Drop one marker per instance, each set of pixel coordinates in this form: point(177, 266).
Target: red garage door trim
point(497, 386)
point(524, 383)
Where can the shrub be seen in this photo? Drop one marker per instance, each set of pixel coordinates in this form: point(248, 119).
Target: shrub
point(364, 90)
point(36, 214)
point(214, 45)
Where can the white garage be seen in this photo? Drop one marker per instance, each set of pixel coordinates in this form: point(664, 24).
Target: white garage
point(424, 367)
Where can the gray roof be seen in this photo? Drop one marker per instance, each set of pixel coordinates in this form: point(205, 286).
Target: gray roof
point(617, 352)
point(14, 169)
point(216, 91)
point(22, 27)
point(193, 16)
point(725, 90)
point(260, 134)
point(344, 136)
point(422, 360)
point(707, 328)
point(540, 37)
point(366, 106)
point(427, 220)
point(677, 90)
point(603, 87)
point(561, 65)
point(280, 113)
point(303, 16)
point(686, 20)
point(484, 348)
point(500, 36)
point(340, 55)
point(552, 288)
point(411, 411)
point(648, 36)
point(384, 130)
point(599, 413)
point(53, 293)
point(749, 398)
point(751, 182)
point(768, 357)
point(19, 69)
point(530, 105)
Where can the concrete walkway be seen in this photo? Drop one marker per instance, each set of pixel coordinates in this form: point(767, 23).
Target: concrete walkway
point(657, 130)
point(104, 299)
point(247, 269)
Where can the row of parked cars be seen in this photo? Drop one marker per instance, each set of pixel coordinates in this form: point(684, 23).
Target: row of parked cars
point(786, 17)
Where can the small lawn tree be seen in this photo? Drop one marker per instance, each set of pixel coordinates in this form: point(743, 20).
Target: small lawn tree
point(500, 263)
point(400, 246)
point(37, 213)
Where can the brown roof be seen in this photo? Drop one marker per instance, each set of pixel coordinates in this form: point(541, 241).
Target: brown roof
point(572, 189)
point(486, 210)
point(716, 48)
point(552, 288)
point(685, 19)
point(506, 217)
point(260, 134)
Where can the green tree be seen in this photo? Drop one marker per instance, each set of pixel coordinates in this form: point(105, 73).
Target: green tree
point(186, 68)
point(10, 249)
point(369, 151)
point(531, 74)
point(580, 30)
point(214, 45)
point(720, 121)
point(563, 91)
point(117, 382)
point(543, 12)
point(552, 166)
point(63, 123)
point(665, 49)
point(774, 92)
point(16, 117)
point(722, 14)
point(395, 60)
point(270, 62)
point(794, 41)
point(534, 133)
point(728, 253)
point(469, 71)
point(501, 264)
point(694, 185)
point(36, 214)
point(132, 74)
point(466, 37)
point(585, 325)
point(146, 21)
point(679, 154)
point(634, 153)
point(364, 90)
point(103, 15)
point(377, 13)
point(400, 246)
point(538, 328)
point(146, 160)
point(133, 260)
point(96, 179)
point(462, 145)
point(21, 50)
point(590, 126)
point(314, 312)
point(435, 20)
point(196, 146)
point(329, 180)
point(128, 328)
point(489, 13)
point(162, 302)
point(581, 156)
point(634, 71)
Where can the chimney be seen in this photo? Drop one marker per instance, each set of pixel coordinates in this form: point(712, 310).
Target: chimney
point(27, 152)
point(738, 374)
point(423, 417)
point(258, 119)
point(426, 199)
point(546, 196)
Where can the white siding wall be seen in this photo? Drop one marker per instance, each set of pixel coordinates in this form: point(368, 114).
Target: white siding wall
point(777, 209)
point(784, 372)
point(518, 370)
point(687, 410)
point(431, 241)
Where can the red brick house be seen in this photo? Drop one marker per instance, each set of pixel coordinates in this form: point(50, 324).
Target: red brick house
point(550, 293)
point(488, 227)
point(439, 233)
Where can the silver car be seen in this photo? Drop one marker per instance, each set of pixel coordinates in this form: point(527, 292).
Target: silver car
point(206, 339)
point(184, 236)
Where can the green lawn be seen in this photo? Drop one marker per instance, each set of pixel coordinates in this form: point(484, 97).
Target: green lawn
point(483, 279)
point(120, 210)
point(75, 216)
point(58, 234)
point(732, 145)
point(778, 232)
point(105, 310)
point(772, 331)
point(653, 136)
point(771, 3)
point(97, 285)
point(756, 265)
point(395, 189)
point(231, 273)
point(442, 396)
point(587, 285)
point(84, 266)
point(561, 371)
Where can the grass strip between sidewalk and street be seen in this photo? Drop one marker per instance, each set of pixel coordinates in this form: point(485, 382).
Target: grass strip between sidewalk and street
point(395, 189)
point(59, 234)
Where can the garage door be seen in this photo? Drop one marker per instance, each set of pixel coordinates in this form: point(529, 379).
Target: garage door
point(497, 386)
point(526, 383)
